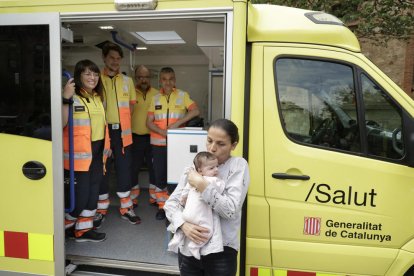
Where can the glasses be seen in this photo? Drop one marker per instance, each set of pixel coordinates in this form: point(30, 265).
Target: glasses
point(142, 77)
point(89, 75)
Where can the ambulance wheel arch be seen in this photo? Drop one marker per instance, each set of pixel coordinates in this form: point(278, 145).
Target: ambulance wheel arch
point(32, 234)
point(331, 180)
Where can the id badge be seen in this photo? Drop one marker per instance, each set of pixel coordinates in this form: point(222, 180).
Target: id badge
point(115, 126)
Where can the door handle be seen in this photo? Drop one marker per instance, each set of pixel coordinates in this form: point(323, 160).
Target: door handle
point(34, 170)
point(284, 176)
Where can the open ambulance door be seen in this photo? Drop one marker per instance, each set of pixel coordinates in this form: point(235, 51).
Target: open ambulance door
point(31, 175)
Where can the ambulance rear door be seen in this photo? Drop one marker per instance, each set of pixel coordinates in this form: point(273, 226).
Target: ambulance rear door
point(337, 175)
point(31, 188)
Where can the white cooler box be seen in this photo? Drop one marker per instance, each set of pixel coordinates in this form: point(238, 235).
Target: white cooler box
point(182, 146)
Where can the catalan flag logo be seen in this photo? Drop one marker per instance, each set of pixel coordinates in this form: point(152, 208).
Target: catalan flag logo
point(312, 226)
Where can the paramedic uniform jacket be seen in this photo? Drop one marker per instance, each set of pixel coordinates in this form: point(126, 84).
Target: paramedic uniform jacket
point(168, 109)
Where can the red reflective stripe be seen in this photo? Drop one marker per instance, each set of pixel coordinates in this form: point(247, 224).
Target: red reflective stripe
point(254, 271)
point(300, 273)
point(16, 245)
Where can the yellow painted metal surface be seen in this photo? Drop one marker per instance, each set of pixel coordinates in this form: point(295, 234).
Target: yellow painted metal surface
point(264, 272)
point(29, 206)
point(1, 243)
point(280, 272)
point(283, 24)
point(350, 250)
point(34, 267)
point(238, 69)
point(258, 252)
point(20, 194)
point(40, 247)
point(99, 5)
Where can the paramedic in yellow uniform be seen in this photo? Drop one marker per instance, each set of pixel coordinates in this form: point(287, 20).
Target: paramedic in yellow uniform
point(119, 96)
point(90, 139)
point(170, 108)
point(141, 146)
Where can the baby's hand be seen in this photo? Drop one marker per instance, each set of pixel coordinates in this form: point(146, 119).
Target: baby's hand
point(194, 178)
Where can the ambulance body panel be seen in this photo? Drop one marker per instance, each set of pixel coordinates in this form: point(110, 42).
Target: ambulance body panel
point(342, 216)
point(31, 188)
point(328, 138)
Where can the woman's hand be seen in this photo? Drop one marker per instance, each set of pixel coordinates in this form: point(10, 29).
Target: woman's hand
point(195, 233)
point(197, 181)
point(69, 89)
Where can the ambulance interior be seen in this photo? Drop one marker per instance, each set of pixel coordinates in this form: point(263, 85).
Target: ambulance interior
point(195, 49)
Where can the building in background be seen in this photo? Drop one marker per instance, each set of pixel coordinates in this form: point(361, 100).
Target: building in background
point(396, 60)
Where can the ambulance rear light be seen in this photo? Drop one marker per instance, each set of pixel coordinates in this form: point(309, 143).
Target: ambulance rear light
point(124, 5)
point(323, 18)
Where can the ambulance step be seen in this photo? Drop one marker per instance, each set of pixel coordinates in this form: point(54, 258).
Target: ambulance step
point(88, 265)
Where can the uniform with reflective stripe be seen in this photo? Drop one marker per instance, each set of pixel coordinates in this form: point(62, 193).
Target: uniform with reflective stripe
point(125, 94)
point(168, 109)
point(82, 134)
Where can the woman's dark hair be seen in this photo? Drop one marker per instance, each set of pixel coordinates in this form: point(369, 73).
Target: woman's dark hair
point(81, 67)
point(229, 127)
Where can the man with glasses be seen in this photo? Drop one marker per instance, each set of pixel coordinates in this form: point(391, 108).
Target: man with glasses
point(119, 98)
point(141, 146)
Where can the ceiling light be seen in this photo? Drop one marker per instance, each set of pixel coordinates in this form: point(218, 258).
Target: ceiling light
point(141, 48)
point(106, 27)
point(161, 37)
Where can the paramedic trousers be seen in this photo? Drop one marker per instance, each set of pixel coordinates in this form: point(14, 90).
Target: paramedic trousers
point(160, 172)
point(87, 183)
point(160, 166)
point(123, 164)
point(215, 264)
point(141, 152)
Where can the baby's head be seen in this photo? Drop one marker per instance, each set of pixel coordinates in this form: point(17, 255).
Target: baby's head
point(206, 163)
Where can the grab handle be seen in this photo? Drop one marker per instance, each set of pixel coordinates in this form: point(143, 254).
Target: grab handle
point(71, 153)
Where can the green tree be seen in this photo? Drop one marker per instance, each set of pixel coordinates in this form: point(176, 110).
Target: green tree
point(379, 20)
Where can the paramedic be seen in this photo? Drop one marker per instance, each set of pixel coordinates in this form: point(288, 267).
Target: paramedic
point(170, 108)
point(91, 146)
point(119, 94)
point(222, 139)
point(141, 147)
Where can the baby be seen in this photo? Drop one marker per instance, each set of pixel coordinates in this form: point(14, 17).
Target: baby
point(196, 210)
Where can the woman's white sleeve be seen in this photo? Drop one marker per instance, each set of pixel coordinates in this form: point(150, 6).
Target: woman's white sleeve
point(173, 208)
point(230, 202)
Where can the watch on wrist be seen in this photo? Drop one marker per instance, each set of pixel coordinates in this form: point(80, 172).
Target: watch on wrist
point(67, 101)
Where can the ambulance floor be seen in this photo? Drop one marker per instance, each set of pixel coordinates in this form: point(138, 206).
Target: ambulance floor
point(144, 243)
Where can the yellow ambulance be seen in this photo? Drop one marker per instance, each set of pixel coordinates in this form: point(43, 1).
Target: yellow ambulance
point(329, 138)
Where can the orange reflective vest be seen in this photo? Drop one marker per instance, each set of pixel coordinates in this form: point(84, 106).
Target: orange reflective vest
point(167, 110)
point(122, 85)
point(82, 137)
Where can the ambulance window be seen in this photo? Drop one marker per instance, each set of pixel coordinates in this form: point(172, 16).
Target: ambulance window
point(24, 75)
point(383, 122)
point(317, 101)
